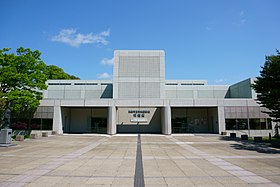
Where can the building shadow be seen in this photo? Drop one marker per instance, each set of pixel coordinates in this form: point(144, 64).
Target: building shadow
point(250, 145)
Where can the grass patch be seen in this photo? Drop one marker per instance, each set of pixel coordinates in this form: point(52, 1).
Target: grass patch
point(266, 139)
point(26, 136)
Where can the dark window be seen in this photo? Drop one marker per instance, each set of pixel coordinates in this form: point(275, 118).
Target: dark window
point(255, 124)
point(269, 126)
point(47, 124)
point(35, 124)
point(83, 83)
point(263, 123)
point(99, 125)
point(180, 125)
point(242, 124)
point(231, 124)
point(59, 83)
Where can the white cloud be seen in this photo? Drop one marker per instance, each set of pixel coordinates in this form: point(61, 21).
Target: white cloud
point(105, 33)
point(71, 37)
point(104, 76)
point(219, 81)
point(242, 16)
point(107, 61)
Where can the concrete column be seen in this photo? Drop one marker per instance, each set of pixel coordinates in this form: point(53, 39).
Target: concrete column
point(57, 120)
point(221, 119)
point(111, 123)
point(166, 120)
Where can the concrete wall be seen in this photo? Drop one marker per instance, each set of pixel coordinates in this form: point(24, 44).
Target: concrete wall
point(213, 119)
point(77, 89)
point(252, 133)
point(76, 120)
point(139, 74)
point(79, 120)
point(149, 123)
point(242, 89)
point(44, 112)
point(195, 91)
point(232, 112)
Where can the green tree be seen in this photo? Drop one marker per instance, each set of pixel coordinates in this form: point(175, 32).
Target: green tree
point(2, 105)
point(54, 72)
point(22, 77)
point(267, 86)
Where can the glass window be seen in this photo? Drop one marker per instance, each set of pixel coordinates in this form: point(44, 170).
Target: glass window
point(231, 124)
point(255, 124)
point(47, 124)
point(179, 125)
point(269, 126)
point(263, 123)
point(242, 124)
point(36, 124)
point(99, 125)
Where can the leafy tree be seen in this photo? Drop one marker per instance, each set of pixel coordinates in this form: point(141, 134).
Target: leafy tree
point(267, 86)
point(2, 104)
point(22, 78)
point(54, 72)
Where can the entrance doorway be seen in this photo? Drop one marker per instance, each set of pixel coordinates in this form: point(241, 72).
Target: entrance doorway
point(99, 125)
point(84, 119)
point(194, 120)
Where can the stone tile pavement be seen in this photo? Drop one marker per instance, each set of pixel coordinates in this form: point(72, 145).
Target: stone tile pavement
point(132, 160)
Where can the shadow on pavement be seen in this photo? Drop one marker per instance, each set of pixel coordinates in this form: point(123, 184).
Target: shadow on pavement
point(251, 145)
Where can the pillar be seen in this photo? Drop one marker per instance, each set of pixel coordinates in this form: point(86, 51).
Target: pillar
point(221, 119)
point(166, 120)
point(111, 123)
point(57, 120)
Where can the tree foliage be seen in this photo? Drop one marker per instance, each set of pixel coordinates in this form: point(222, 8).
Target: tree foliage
point(22, 78)
point(267, 86)
point(23, 71)
point(54, 72)
point(2, 104)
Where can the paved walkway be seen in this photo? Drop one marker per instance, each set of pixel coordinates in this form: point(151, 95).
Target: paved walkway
point(132, 160)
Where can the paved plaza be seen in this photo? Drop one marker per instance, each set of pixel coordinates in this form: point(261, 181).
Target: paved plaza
point(138, 160)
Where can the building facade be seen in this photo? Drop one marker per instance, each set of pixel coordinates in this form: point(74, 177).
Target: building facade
point(140, 100)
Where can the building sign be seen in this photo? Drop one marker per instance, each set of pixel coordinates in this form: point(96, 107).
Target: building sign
point(138, 120)
point(139, 111)
point(138, 116)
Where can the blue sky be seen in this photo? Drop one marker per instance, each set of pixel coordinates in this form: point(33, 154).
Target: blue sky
point(222, 41)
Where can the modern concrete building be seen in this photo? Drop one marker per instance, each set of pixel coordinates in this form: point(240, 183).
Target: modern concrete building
point(140, 100)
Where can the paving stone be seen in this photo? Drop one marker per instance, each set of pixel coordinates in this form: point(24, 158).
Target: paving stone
point(176, 181)
point(110, 161)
